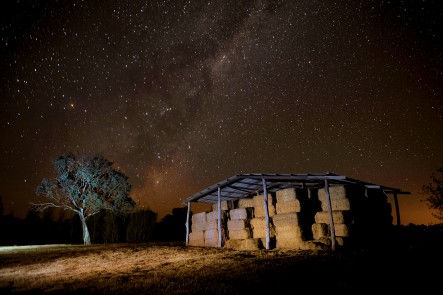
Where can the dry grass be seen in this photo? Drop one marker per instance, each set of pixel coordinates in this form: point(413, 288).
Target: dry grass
point(176, 269)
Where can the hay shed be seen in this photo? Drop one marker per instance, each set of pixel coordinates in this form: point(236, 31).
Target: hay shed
point(291, 211)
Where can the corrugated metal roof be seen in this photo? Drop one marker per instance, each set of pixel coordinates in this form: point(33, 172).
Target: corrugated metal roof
point(247, 185)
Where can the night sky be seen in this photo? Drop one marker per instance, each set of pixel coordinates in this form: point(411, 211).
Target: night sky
point(183, 94)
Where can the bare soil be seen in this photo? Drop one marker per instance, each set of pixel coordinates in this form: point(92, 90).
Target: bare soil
point(177, 269)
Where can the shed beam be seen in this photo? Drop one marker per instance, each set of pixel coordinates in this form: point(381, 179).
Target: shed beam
point(187, 223)
point(265, 205)
point(219, 219)
point(397, 209)
point(331, 221)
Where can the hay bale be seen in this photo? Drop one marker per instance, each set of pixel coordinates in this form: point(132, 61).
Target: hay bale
point(198, 243)
point(290, 243)
point(225, 205)
point(211, 237)
point(258, 200)
point(197, 235)
point(198, 226)
point(246, 203)
point(199, 217)
point(291, 194)
point(286, 195)
point(258, 225)
point(246, 244)
point(319, 245)
point(285, 219)
point(289, 206)
point(341, 230)
point(240, 213)
point(336, 204)
point(237, 224)
point(337, 216)
point(213, 215)
point(213, 224)
point(320, 230)
point(239, 234)
point(259, 211)
point(288, 232)
point(335, 193)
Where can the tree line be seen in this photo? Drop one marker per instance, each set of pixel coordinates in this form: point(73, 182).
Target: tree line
point(55, 226)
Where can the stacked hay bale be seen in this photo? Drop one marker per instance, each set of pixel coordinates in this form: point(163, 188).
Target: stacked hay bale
point(288, 220)
point(198, 226)
point(239, 229)
point(258, 222)
point(341, 215)
point(211, 229)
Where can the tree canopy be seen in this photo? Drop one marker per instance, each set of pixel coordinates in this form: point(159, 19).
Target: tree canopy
point(434, 190)
point(85, 184)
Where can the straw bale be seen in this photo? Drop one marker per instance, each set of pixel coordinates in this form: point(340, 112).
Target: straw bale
point(197, 235)
point(213, 215)
point(341, 230)
point(339, 216)
point(240, 213)
point(290, 195)
point(285, 219)
point(199, 217)
point(245, 203)
point(320, 230)
point(225, 205)
point(213, 224)
point(288, 231)
point(335, 193)
point(320, 245)
point(245, 244)
point(258, 200)
point(239, 234)
point(336, 204)
point(290, 243)
point(237, 224)
point(211, 237)
point(199, 243)
point(259, 211)
point(286, 195)
point(198, 225)
point(258, 226)
point(289, 206)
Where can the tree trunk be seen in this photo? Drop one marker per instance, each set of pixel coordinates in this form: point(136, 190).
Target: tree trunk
point(86, 237)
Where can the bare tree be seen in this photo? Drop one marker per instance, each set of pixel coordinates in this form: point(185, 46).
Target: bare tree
point(85, 185)
point(435, 193)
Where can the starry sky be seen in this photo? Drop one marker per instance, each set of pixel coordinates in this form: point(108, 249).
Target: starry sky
point(183, 94)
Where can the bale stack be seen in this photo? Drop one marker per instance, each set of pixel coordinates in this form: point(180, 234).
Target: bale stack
point(238, 224)
point(341, 215)
point(198, 226)
point(240, 232)
point(211, 228)
point(258, 222)
point(288, 220)
point(259, 209)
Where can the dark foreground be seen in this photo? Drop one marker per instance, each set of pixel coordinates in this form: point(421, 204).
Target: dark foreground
point(403, 267)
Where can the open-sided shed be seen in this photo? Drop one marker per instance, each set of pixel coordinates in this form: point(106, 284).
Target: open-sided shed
point(291, 188)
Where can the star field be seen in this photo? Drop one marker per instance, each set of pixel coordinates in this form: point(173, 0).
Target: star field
point(182, 94)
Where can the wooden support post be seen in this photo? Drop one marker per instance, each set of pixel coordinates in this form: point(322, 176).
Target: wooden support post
point(187, 223)
point(265, 204)
point(397, 209)
point(331, 221)
point(219, 218)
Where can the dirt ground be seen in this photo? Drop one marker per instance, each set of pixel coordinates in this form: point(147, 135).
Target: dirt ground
point(177, 269)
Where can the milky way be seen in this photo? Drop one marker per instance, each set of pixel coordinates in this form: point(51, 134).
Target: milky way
point(182, 94)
